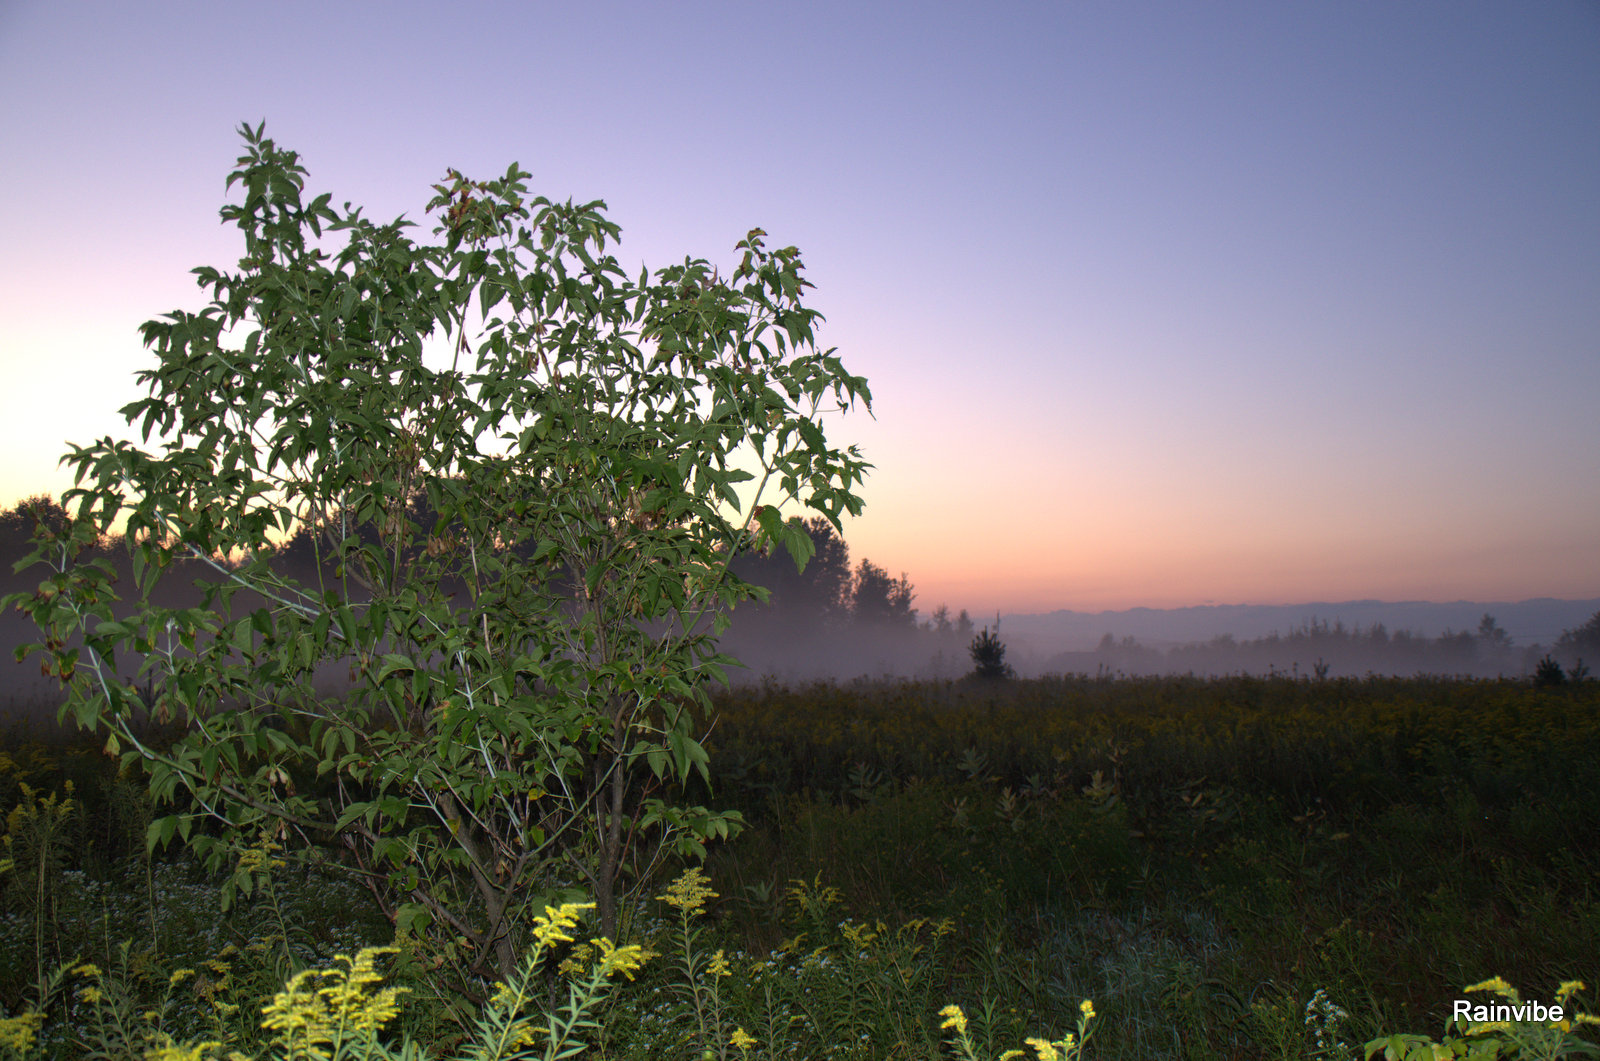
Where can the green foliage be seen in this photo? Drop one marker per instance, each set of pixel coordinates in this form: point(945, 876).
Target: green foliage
point(523, 474)
point(36, 842)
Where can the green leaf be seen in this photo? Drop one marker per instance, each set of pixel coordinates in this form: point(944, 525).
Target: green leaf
point(160, 833)
point(411, 919)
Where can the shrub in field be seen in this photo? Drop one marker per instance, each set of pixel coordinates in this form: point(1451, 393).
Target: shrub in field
point(521, 539)
point(989, 655)
point(1549, 674)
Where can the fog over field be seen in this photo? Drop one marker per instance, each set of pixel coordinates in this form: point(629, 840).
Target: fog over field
point(843, 619)
point(1351, 638)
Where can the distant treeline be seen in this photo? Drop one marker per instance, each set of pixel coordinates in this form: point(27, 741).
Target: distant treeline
point(1320, 649)
point(835, 619)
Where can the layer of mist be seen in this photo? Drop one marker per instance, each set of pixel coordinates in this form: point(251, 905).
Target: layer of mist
point(840, 621)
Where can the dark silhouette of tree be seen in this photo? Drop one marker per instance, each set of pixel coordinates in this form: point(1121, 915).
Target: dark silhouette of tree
point(878, 600)
point(1582, 639)
point(17, 523)
point(1549, 674)
point(819, 594)
point(1491, 635)
point(963, 624)
point(989, 655)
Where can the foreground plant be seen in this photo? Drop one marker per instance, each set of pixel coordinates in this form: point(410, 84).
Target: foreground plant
point(516, 546)
point(1068, 1048)
point(341, 1013)
point(1515, 1032)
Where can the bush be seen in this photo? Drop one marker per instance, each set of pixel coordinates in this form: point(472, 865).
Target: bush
point(989, 656)
point(520, 561)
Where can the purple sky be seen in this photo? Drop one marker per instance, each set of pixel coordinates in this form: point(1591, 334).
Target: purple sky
point(1161, 304)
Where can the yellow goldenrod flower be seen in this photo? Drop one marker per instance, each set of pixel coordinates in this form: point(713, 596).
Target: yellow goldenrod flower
point(689, 892)
point(17, 1032)
point(1009, 1054)
point(1086, 1007)
point(625, 960)
point(505, 996)
point(576, 963)
point(551, 927)
point(168, 1050)
point(1497, 985)
point(346, 998)
point(90, 995)
point(1046, 1051)
point(88, 970)
point(179, 976)
point(1568, 989)
point(304, 1015)
point(954, 1018)
point(719, 965)
point(742, 1039)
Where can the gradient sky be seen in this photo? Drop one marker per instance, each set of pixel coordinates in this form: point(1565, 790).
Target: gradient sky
point(1161, 304)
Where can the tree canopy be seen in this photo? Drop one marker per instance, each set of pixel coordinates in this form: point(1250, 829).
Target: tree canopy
point(518, 476)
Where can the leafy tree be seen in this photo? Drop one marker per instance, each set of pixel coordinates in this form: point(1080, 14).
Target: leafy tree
point(519, 475)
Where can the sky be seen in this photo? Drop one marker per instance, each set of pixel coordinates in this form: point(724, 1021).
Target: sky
point(1160, 304)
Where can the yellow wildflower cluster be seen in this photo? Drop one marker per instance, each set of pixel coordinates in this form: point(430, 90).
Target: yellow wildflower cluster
point(552, 926)
point(1068, 1048)
point(307, 1016)
point(17, 1033)
point(167, 1050)
point(576, 963)
point(614, 959)
point(954, 1018)
point(689, 892)
point(862, 936)
point(813, 898)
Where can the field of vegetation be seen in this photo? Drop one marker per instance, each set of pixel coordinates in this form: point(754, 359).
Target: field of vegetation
point(1134, 868)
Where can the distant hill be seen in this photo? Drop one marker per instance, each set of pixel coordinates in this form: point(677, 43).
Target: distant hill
point(1538, 621)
